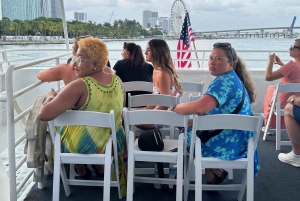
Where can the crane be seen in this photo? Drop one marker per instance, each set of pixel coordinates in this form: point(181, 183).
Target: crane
point(111, 15)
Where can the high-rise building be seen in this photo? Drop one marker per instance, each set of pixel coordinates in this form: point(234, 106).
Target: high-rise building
point(25, 9)
point(55, 9)
point(147, 14)
point(82, 17)
point(155, 14)
point(45, 8)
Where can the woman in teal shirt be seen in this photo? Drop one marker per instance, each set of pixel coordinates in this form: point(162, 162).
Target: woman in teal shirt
point(223, 96)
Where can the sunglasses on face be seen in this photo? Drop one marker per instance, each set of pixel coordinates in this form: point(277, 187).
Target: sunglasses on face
point(293, 47)
point(225, 45)
point(78, 60)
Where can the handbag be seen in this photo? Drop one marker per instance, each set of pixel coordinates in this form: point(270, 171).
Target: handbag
point(208, 134)
point(151, 140)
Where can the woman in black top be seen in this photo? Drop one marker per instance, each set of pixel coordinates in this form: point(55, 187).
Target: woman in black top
point(133, 66)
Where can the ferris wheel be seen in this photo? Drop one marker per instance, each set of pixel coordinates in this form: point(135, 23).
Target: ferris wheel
point(177, 16)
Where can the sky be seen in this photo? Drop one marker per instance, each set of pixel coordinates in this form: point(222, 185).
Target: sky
point(205, 15)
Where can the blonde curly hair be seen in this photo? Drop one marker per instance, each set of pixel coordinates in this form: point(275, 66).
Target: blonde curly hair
point(96, 49)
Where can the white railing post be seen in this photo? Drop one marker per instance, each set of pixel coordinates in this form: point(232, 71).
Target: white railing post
point(11, 132)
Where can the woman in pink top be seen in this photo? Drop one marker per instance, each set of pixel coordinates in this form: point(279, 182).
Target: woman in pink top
point(290, 73)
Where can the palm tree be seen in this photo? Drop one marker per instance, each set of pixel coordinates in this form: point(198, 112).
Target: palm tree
point(15, 26)
point(6, 24)
point(35, 26)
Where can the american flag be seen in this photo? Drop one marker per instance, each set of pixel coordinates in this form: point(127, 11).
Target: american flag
point(186, 37)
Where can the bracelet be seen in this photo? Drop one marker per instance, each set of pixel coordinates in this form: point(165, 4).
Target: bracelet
point(173, 107)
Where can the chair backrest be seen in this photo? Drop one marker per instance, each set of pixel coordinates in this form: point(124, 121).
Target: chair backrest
point(228, 121)
point(138, 86)
point(193, 87)
point(151, 99)
point(136, 117)
point(86, 118)
point(283, 88)
point(291, 87)
point(194, 98)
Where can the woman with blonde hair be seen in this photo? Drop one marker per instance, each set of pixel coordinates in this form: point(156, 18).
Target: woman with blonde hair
point(94, 90)
point(165, 78)
point(65, 71)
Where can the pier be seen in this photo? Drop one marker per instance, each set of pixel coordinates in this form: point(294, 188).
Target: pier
point(271, 32)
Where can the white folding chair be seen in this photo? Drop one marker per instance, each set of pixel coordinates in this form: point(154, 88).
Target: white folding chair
point(193, 87)
point(138, 86)
point(194, 98)
point(135, 154)
point(153, 99)
point(224, 121)
point(279, 112)
point(86, 118)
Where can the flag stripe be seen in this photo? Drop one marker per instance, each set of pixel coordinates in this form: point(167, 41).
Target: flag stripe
point(186, 37)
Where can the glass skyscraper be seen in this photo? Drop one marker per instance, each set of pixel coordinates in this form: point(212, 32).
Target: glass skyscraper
point(25, 9)
point(55, 9)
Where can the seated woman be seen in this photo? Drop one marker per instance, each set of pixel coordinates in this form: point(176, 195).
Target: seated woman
point(232, 86)
point(64, 71)
point(94, 90)
point(165, 78)
point(289, 73)
point(133, 67)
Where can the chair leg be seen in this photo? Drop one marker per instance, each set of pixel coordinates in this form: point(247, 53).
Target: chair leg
point(56, 173)
point(107, 171)
point(65, 180)
point(230, 174)
point(198, 174)
point(130, 171)
point(243, 188)
point(72, 172)
point(187, 182)
point(179, 180)
point(278, 131)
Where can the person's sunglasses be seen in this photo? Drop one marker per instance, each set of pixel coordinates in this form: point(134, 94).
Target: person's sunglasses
point(293, 47)
point(78, 60)
point(225, 45)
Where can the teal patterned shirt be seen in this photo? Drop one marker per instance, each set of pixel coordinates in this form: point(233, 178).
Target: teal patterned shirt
point(229, 144)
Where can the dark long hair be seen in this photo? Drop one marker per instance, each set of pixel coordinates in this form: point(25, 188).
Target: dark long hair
point(136, 57)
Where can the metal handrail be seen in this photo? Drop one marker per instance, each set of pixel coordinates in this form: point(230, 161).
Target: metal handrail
point(9, 96)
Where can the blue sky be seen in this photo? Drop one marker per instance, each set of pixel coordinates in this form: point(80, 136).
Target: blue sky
point(205, 15)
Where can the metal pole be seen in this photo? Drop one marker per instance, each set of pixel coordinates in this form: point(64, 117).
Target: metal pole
point(11, 132)
point(64, 24)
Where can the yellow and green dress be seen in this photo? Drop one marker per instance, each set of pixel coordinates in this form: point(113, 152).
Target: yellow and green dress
point(89, 139)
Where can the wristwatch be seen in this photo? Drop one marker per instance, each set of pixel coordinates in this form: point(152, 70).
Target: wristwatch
point(173, 107)
point(292, 100)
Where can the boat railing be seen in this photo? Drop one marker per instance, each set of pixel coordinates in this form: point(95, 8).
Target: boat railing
point(254, 59)
point(10, 98)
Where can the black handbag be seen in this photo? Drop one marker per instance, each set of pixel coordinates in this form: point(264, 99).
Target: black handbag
point(208, 134)
point(151, 140)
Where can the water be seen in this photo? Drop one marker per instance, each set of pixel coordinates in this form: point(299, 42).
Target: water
point(238, 44)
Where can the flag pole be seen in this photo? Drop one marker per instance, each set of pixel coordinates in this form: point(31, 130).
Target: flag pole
point(196, 54)
point(194, 47)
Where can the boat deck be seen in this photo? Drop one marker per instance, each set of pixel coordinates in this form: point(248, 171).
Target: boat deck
point(276, 181)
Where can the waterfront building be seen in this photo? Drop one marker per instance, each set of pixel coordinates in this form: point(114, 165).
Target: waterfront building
point(25, 9)
point(55, 9)
point(82, 17)
point(45, 8)
point(147, 14)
